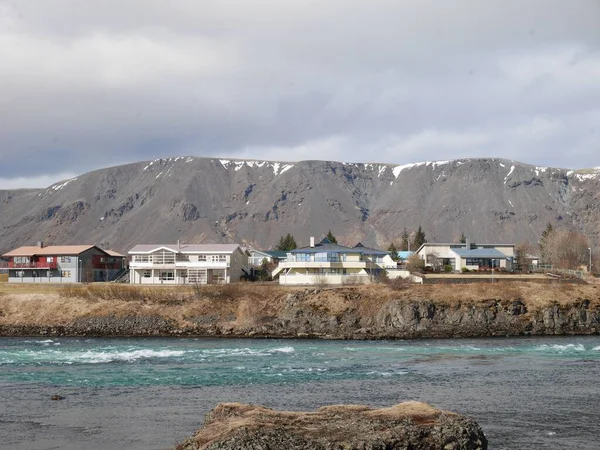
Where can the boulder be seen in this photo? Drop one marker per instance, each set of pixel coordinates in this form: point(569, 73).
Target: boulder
point(410, 425)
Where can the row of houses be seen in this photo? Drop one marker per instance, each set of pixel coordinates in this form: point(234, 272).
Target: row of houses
point(322, 262)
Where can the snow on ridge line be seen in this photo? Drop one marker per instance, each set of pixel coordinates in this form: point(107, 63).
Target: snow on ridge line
point(277, 167)
point(57, 187)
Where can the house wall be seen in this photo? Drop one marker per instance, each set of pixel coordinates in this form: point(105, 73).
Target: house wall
point(311, 276)
point(192, 270)
point(442, 251)
point(239, 261)
point(508, 250)
point(65, 272)
point(256, 258)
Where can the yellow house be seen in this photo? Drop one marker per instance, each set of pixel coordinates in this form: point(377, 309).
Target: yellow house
point(327, 263)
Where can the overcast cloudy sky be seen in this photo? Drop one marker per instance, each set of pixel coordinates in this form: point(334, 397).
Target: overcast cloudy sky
point(87, 84)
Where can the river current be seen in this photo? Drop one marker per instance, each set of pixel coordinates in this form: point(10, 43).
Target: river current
point(526, 393)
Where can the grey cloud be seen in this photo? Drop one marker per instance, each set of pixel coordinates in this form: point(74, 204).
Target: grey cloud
point(87, 84)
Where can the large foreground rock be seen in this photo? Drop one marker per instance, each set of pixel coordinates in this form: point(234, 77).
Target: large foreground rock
point(411, 425)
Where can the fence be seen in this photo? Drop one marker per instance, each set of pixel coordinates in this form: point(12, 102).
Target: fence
point(568, 273)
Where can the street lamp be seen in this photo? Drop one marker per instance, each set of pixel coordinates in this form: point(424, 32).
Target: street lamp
point(590, 250)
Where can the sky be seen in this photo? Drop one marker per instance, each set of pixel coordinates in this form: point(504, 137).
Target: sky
point(95, 83)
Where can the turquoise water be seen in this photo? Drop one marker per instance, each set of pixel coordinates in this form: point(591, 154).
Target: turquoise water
point(524, 391)
point(144, 362)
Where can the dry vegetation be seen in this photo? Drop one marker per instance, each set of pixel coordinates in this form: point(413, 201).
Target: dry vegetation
point(255, 304)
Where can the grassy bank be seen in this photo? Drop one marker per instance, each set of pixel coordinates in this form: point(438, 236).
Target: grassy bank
point(252, 304)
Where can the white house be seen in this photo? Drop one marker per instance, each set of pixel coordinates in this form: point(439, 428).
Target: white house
point(467, 255)
point(187, 263)
point(329, 263)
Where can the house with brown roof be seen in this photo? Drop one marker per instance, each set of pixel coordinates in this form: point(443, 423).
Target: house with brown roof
point(187, 263)
point(63, 264)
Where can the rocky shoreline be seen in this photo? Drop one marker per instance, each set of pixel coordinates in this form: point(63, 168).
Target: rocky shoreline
point(349, 313)
point(410, 425)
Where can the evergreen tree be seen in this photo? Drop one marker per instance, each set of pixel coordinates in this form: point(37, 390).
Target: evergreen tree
point(462, 239)
point(393, 251)
point(331, 237)
point(543, 242)
point(286, 243)
point(419, 239)
point(405, 240)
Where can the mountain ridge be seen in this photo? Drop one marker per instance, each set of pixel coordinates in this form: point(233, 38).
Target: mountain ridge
point(255, 201)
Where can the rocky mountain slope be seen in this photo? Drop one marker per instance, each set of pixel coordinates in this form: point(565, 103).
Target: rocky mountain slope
point(255, 202)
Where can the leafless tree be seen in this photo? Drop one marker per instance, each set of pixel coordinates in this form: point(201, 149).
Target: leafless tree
point(434, 260)
point(567, 249)
point(522, 259)
point(415, 264)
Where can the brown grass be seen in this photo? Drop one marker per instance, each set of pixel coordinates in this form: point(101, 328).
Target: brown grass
point(3, 278)
point(247, 304)
point(30, 288)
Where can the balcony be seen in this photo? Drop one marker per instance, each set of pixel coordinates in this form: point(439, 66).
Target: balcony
point(179, 265)
point(33, 265)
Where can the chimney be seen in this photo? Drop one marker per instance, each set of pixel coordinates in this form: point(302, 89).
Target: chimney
point(178, 245)
point(468, 244)
point(312, 241)
point(40, 244)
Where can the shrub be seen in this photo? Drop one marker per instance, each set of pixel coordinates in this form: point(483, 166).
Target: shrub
point(415, 264)
point(381, 277)
point(464, 270)
point(447, 268)
point(399, 283)
point(353, 279)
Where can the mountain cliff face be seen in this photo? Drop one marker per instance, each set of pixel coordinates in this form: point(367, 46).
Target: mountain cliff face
point(255, 202)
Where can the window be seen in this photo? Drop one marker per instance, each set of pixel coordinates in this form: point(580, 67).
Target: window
point(65, 259)
point(21, 260)
point(303, 257)
point(147, 274)
point(163, 257)
point(321, 257)
point(65, 273)
point(166, 276)
point(50, 259)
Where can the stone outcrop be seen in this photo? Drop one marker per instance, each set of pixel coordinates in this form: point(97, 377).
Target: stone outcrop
point(330, 313)
point(411, 425)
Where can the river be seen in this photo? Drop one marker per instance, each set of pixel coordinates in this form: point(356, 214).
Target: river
point(135, 393)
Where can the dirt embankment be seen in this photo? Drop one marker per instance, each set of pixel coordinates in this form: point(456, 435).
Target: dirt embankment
point(360, 312)
point(407, 425)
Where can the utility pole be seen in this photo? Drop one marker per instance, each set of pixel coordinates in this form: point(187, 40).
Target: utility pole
point(590, 250)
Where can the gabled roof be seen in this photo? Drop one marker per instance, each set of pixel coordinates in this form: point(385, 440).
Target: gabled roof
point(439, 244)
point(276, 254)
point(51, 250)
point(187, 248)
point(479, 253)
point(336, 248)
point(114, 254)
point(262, 252)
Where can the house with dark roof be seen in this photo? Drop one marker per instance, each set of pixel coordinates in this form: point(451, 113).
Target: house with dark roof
point(187, 263)
point(467, 255)
point(63, 264)
point(257, 257)
point(328, 263)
